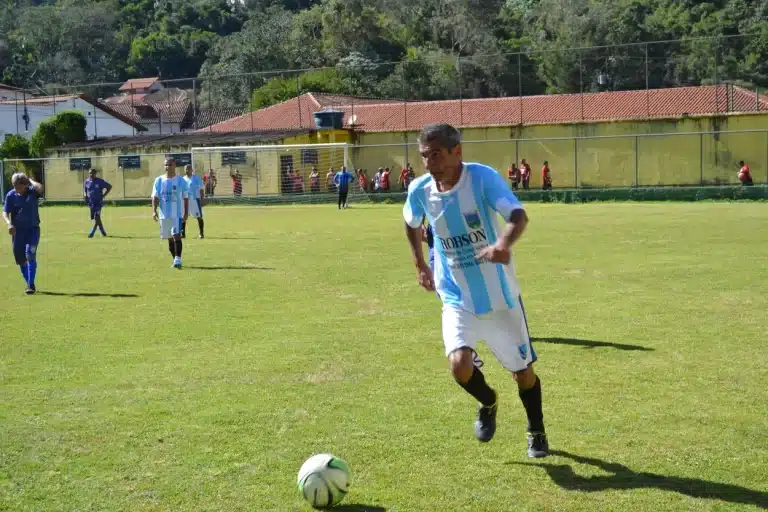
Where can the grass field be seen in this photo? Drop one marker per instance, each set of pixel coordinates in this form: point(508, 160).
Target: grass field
point(296, 330)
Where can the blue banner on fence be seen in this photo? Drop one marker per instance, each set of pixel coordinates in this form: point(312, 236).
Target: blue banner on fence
point(129, 161)
point(79, 164)
point(233, 157)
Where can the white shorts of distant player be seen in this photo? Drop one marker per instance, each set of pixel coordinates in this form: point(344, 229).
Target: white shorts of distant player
point(505, 332)
point(195, 208)
point(170, 227)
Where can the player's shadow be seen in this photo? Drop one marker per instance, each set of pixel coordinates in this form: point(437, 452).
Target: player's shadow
point(590, 344)
point(89, 294)
point(623, 478)
point(358, 508)
point(228, 267)
point(134, 237)
point(234, 238)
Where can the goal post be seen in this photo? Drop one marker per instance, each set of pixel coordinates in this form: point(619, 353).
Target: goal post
point(242, 172)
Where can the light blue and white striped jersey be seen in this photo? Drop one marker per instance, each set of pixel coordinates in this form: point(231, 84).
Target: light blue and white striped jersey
point(195, 185)
point(465, 221)
point(172, 192)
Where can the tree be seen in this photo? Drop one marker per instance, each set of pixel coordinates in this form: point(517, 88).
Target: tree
point(63, 128)
point(14, 147)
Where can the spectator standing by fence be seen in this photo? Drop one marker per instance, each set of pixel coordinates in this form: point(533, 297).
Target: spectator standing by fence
point(237, 183)
point(314, 181)
point(546, 177)
point(525, 174)
point(514, 176)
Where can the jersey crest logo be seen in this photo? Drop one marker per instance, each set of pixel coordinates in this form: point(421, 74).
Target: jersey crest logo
point(473, 220)
point(523, 351)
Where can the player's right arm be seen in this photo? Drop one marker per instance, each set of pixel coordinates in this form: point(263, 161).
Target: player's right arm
point(414, 214)
point(155, 197)
point(7, 216)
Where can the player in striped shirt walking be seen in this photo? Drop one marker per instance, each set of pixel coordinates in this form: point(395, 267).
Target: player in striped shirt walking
point(196, 192)
point(171, 194)
point(474, 274)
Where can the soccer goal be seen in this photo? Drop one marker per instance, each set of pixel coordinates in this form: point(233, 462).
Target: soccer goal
point(285, 170)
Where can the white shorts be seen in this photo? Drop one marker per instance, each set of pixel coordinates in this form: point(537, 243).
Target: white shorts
point(170, 227)
point(505, 332)
point(195, 208)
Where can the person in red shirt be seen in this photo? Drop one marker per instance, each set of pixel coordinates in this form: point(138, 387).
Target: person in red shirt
point(546, 177)
point(525, 174)
point(362, 180)
point(745, 175)
point(385, 180)
point(403, 179)
point(514, 176)
point(237, 183)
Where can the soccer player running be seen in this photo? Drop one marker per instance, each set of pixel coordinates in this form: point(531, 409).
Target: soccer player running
point(95, 190)
point(171, 195)
point(474, 274)
point(196, 193)
point(342, 180)
point(21, 214)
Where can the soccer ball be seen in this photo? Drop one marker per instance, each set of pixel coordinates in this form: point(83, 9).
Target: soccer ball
point(324, 480)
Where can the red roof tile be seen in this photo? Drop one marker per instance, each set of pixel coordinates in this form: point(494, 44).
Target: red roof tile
point(138, 83)
point(388, 115)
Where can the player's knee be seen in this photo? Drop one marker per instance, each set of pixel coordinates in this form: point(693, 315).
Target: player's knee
point(30, 252)
point(525, 378)
point(462, 364)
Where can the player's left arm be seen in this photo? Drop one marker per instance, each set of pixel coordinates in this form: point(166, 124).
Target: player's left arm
point(37, 186)
point(501, 198)
point(185, 197)
point(107, 189)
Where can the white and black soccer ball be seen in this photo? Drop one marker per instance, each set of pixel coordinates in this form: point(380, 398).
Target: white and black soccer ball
point(324, 480)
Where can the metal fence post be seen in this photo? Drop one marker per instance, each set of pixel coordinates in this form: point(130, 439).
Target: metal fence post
point(701, 159)
point(2, 178)
point(766, 158)
point(637, 161)
point(122, 171)
point(576, 163)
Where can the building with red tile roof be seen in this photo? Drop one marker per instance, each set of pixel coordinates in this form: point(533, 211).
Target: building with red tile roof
point(370, 115)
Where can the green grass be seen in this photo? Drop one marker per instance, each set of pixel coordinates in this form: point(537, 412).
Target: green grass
point(208, 389)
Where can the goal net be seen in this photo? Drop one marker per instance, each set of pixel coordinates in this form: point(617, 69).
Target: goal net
point(299, 173)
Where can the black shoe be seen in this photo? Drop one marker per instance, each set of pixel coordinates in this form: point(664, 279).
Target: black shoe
point(30, 290)
point(485, 425)
point(538, 446)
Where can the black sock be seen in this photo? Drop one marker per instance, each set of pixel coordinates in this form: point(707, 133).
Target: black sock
point(201, 224)
point(179, 246)
point(531, 399)
point(478, 388)
point(172, 247)
point(184, 228)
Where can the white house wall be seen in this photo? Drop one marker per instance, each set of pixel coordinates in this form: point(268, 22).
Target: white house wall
point(99, 124)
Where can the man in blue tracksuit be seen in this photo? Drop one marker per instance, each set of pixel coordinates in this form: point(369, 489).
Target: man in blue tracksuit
point(342, 180)
point(21, 214)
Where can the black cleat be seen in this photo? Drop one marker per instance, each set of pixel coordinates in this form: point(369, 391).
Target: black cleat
point(30, 290)
point(538, 446)
point(485, 425)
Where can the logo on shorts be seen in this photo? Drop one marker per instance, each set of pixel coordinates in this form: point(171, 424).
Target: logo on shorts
point(473, 220)
point(523, 351)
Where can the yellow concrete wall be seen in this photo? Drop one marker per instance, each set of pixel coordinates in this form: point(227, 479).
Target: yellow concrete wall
point(260, 172)
point(665, 155)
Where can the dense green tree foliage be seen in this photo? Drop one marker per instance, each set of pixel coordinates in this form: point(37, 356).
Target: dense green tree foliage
point(430, 49)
